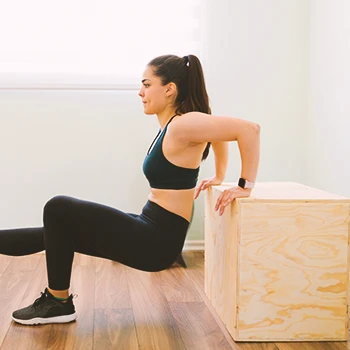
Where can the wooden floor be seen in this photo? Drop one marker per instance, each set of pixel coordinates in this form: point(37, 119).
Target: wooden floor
point(122, 308)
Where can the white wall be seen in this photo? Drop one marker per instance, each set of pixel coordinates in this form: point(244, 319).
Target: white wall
point(257, 68)
point(256, 64)
point(91, 144)
point(88, 144)
point(328, 141)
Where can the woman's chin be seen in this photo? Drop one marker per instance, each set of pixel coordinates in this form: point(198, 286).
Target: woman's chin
point(148, 112)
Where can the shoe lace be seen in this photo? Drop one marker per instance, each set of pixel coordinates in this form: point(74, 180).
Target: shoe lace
point(39, 300)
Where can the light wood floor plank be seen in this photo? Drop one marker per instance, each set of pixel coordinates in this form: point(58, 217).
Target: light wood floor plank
point(300, 345)
point(112, 291)
point(38, 283)
point(33, 337)
point(13, 285)
point(335, 345)
point(4, 263)
point(196, 272)
point(195, 263)
point(256, 346)
point(155, 325)
point(115, 329)
point(84, 260)
point(312, 345)
point(78, 335)
point(198, 327)
point(177, 286)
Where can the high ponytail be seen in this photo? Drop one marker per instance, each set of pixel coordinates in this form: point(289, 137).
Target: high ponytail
point(187, 74)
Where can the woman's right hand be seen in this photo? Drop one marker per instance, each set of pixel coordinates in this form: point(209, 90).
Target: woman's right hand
point(205, 183)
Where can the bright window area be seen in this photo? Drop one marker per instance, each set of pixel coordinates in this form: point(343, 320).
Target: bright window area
point(91, 43)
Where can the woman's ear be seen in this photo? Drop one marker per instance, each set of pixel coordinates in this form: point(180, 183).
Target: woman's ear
point(170, 89)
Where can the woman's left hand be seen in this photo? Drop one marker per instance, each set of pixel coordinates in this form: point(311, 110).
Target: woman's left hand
point(205, 183)
point(229, 195)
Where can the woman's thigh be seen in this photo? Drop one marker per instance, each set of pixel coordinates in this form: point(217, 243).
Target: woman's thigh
point(100, 230)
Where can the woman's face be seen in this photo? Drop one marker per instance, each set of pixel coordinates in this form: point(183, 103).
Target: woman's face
point(154, 95)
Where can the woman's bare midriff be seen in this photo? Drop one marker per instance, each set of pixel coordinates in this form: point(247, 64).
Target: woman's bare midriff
point(179, 202)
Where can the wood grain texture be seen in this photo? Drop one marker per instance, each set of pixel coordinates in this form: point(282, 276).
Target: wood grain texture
point(293, 272)
point(33, 337)
point(260, 346)
point(112, 288)
point(115, 329)
point(14, 283)
point(4, 263)
point(84, 260)
point(299, 345)
point(221, 260)
point(177, 286)
point(155, 324)
point(334, 346)
point(169, 324)
point(196, 273)
point(196, 261)
point(78, 334)
point(279, 270)
point(197, 327)
point(285, 191)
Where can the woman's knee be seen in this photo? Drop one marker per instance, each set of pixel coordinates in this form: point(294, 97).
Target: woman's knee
point(55, 206)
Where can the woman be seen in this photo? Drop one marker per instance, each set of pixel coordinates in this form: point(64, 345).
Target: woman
point(173, 88)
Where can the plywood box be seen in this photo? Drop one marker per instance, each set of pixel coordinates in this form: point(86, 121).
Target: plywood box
point(276, 263)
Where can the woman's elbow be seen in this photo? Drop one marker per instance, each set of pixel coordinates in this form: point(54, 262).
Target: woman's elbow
point(257, 127)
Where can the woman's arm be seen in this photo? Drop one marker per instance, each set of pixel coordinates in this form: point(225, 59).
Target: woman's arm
point(220, 150)
point(196, 127)
point(249, 148)
point(199, 127)
point(221, 159)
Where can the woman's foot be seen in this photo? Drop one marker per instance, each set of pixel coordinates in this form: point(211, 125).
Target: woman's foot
point(46, 309)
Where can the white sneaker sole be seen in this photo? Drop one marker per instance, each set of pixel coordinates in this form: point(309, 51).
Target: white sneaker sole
point(39, 320)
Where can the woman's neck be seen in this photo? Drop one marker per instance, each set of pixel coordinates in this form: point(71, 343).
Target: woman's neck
point(164, 117)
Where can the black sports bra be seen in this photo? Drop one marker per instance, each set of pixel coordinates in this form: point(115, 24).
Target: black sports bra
point(162, 174)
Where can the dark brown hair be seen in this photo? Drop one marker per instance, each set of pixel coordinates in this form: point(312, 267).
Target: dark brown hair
point(187, 74)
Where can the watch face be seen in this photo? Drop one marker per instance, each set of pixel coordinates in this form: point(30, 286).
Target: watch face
point(241, 183)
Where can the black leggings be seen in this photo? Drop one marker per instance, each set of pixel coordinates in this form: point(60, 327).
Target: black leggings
point(150, 241)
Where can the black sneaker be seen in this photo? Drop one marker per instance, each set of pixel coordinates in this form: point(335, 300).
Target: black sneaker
point(46, 309)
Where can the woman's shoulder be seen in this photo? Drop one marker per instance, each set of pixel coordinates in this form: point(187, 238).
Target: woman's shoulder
point(190, 119)
point(183, 125)
point(197, 127)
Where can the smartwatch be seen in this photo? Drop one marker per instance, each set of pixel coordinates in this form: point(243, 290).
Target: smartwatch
point(243, 183)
